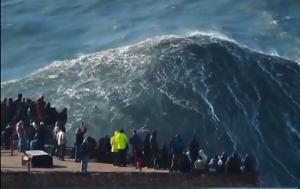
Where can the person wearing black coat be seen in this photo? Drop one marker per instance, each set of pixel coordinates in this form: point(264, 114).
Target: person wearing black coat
point(7, 134)
point(136, 143)
point(233, 164)
point(248, 164)
point(78, 142)
point(163, 158)
point(185, 164)
point(194, 149)
point(153, 147)
point(85, 152)
point(146, 150)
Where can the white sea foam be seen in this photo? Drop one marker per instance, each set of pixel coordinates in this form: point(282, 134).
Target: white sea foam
point(143, 85)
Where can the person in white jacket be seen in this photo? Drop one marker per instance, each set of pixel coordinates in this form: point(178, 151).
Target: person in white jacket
point(61, 142)
point(55, 145)
point(201, 163)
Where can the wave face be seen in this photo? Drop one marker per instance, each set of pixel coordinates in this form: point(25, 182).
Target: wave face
point(232, 97)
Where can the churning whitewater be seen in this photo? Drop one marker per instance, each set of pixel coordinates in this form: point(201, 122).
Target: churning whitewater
point(232, 97)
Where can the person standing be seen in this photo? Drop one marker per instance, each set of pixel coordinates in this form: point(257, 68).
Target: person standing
point(146, 151)
point(122, 141)
point(200, 164)
point(30, 132)
point(84, 154)
point(61, 141)
point(233, 164)
point(40, 136)
point(55, 145)
point(21, 136)
point(8, 132)
point(248, 165)
point(194, 149)
point(79, 140)
point(136, 143)
point(162, 159)
point(153, 148)
point(178, 147)
point(38, 141)
point(114, 148)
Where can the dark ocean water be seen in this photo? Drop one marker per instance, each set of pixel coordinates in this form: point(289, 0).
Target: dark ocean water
point(35, 33)
point(226, 70)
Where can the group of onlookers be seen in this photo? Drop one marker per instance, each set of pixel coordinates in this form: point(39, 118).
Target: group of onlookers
point(28, 122)
point(148, 153)
point(31, 123)
point(27, 110)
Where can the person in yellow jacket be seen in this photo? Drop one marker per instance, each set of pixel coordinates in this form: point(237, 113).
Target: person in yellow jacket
point(122, 141)
point(114, 148)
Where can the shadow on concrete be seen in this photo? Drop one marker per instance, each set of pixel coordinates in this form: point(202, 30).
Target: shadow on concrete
point(58, 166)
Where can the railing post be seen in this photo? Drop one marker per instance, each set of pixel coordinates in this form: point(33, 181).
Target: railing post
point(12, 148)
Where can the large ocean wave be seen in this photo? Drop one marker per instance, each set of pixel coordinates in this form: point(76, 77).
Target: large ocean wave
point(232, 97)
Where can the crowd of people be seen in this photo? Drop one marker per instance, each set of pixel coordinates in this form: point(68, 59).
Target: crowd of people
point(29, 122)
point(122, 151)
point(33, 123)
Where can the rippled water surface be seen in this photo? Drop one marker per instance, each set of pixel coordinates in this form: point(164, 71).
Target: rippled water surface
point(35, 33)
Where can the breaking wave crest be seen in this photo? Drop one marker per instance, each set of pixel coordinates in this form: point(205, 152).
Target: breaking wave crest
point(231, 96)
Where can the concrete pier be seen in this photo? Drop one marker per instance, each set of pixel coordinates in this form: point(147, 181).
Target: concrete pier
point(66, 174)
